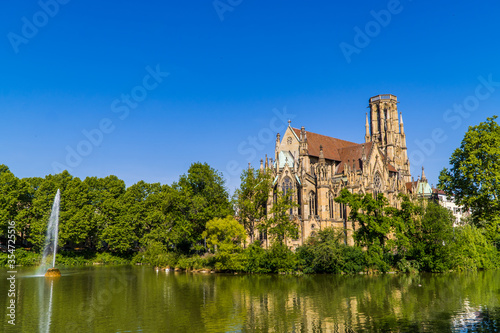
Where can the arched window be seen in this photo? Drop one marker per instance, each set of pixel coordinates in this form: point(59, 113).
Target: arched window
point(342, 212)
point(312, 204)
point(331, 205)
point(377, 185)
point(286, 186)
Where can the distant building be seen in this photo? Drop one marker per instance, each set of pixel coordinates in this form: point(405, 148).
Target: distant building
point(447, 201)
point(420, 188)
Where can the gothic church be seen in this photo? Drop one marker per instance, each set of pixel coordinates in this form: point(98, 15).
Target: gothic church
point(317, 167)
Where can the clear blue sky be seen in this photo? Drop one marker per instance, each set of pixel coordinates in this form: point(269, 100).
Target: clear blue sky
point(69, 69)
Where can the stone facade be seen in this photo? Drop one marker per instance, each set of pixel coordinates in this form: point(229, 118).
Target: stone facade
point(318, 167)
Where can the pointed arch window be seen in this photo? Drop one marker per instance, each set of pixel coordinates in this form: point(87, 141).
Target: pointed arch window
point(312, 204)
point(331, 205)
point(377, 185)
point(286, 185)
point(342, 211)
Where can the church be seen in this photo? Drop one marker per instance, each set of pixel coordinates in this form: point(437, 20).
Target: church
point(317, 167)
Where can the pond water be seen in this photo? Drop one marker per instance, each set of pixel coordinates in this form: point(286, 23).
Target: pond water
point(140, 299)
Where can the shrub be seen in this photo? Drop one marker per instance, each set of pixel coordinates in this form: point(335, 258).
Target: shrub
point(190, 263)
point(280, 259)
point(473, 250)
point(255, 258)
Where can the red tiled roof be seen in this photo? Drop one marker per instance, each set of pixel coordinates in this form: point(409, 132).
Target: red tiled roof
point(338, 150)
point(410, 185)
point(351, 154)
point(438, 191)
point(330, 145)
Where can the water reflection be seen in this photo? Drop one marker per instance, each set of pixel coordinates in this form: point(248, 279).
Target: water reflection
point(119, 299)
point(46, 306)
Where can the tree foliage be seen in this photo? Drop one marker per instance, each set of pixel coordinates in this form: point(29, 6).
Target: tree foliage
point(281, 225)
point(224, 234)
point(168, 224)
point(251, 199)
point(326, 253)
point(474, 176)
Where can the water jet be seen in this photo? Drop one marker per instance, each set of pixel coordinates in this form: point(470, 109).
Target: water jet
point(51, 238)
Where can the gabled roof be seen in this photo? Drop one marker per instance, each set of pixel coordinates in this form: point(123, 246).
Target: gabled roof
point(339, 150)
point(353, 154)
point(330, 145)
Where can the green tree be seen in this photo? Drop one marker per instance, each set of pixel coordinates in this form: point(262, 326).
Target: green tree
point(376, 222)
point(474, 176)
point(251, 199)
point(110, 232)
point(224, 237)
point(143, 207)
point(472, 249)
point(325, 252)
point(281, 224)
point(76, 227)
point(224, 233)
point(202, 197)
point(404, 226)
point(435, 239)
point(372, 216)
point(10, 193)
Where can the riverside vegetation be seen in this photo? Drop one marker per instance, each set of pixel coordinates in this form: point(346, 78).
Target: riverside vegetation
point(195, 224)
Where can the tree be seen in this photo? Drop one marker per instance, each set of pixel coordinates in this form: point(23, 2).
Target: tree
point(9, 197)
point(110, 232)
point(371, 214)
point(251, 199)
point(375, 220)
point(77, 216)
point(281, 225)
point(404, 226)
point(224, 233)
point(474, 176)
point(202, 197)
point(432, 243)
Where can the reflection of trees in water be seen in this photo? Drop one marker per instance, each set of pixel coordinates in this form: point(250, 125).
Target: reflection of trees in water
point(180, 302)
point(339, 303)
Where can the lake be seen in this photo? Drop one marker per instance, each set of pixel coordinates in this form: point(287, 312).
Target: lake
point(140, 299)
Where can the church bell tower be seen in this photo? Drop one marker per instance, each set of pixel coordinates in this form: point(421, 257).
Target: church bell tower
point(386, 129)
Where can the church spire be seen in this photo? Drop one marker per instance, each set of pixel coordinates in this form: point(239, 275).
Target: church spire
point(367, 129)
point(401, 125)
point(423, 179)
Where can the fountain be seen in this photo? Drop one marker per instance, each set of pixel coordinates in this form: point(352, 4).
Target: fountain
point(51, 238)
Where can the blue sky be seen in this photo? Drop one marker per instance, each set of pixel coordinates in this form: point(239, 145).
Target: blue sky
point(236, 70)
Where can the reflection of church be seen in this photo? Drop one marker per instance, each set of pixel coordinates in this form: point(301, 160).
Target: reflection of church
point(317, 167)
